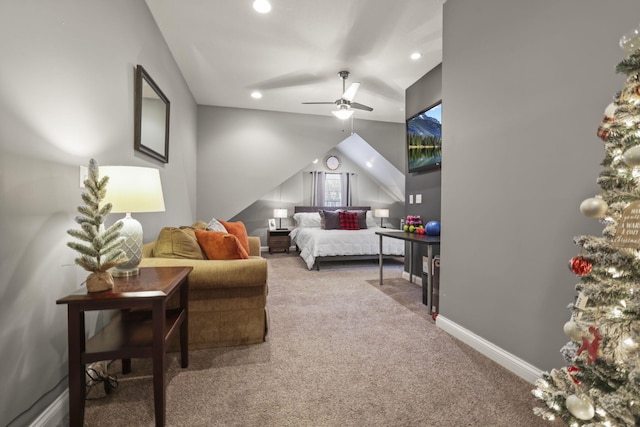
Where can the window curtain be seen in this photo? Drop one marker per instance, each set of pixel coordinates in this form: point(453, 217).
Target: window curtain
point(317, 189)
point(345, 194)
point(347, 190)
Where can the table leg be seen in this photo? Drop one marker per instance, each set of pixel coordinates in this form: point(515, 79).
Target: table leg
point(380, 260)
point(411, 262)
point(126, 366)
point(184, 327)
point(429, 277)
point(159, 358)
point(75, 319)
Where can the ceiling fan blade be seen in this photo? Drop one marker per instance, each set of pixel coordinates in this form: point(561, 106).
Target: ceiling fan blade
point(319, 102)
point(351, 91)
point(360, 106)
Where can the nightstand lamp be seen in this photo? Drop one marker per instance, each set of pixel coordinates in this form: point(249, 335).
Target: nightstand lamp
point(132, 189)
point(382, 214)
point(280, 213)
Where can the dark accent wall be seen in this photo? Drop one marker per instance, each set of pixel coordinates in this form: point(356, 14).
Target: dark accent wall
point(419, 96)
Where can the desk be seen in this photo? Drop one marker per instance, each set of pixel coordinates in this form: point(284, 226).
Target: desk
point(413, 239)
point(139, 333)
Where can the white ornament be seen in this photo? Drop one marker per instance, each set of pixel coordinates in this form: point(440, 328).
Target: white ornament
point(629, 344)
point(579, 408)
point(610, 111)
point(632, 156)
point(572, 330)
point(594, 207)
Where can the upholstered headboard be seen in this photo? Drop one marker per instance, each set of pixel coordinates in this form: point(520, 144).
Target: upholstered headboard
point(330, 208)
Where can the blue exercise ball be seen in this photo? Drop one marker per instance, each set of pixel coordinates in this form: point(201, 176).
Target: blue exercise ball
point(432, 228)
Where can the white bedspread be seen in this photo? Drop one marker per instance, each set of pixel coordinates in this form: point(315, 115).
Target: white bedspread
point(315, 242)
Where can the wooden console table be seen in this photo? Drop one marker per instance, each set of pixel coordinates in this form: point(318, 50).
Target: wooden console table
point(142, 329)
point(419, 239)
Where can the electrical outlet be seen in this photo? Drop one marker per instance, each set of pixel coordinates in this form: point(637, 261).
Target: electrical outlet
point(84, 175)
point(418, 198)
point(410, 199)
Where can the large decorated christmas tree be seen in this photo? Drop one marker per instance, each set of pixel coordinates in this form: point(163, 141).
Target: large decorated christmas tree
point(600, 386)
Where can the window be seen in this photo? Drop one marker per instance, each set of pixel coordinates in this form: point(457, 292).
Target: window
point(333, 189)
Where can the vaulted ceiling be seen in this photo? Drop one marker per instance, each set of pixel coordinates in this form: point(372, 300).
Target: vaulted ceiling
point(293, 54)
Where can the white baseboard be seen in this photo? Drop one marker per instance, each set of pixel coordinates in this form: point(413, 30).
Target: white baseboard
point(507, 360)
point(55, 413)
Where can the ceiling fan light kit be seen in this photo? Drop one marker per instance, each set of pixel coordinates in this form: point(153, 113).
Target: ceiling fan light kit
point(343, 112)
point(345, 103)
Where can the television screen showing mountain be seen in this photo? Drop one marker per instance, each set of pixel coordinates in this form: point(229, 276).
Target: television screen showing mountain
point(424, 139)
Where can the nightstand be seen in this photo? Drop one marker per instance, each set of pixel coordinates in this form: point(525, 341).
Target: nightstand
point(278, 240)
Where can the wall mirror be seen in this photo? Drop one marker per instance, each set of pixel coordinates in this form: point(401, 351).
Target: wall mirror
point(151, 117)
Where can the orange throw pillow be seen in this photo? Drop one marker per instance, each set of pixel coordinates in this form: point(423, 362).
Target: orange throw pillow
point(220, 246)
point(239, 230)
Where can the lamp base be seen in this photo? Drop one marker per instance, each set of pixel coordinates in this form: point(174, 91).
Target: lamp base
point(129, 272)
point(132, 247)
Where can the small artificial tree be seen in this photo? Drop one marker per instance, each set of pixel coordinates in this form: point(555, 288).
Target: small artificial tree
point(600, 386)
point(102, 248)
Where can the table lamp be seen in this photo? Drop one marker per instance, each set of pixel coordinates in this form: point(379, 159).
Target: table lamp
point(132, 189)
point(280, 213)
point(381, 213)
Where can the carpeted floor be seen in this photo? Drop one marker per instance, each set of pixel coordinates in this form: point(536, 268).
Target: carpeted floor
point(341, 351)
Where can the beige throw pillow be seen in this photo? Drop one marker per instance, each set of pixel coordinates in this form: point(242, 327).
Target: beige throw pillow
point(177, 242)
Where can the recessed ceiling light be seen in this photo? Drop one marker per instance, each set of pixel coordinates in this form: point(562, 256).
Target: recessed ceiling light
point(416, 55)
point(256, 95)
point(262, 6)
point(315, 161)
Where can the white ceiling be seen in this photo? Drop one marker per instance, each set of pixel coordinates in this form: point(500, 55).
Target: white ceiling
point(226, 50)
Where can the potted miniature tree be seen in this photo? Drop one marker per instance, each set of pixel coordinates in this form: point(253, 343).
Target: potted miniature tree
point(100, 248)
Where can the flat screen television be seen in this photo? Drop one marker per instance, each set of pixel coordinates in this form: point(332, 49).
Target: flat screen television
point(424, 139)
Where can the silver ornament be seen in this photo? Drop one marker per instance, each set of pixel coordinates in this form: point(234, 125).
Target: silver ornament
point(632, 156)
point(580, 408)
point(594, 207)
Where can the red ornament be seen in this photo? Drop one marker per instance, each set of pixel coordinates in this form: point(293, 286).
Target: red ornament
point(591, 347)
point(574, 370)
point(580, 266)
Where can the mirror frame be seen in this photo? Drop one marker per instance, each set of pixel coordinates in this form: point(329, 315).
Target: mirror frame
point(141, 77)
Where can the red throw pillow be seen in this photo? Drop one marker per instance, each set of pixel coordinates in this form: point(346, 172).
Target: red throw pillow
point(219, 245)
point(239, 230)
point(349, 221)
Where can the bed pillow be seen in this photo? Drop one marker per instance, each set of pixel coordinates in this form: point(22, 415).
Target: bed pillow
point(362, 218)
point(307, 219)
point(214, 225)
point(330, 220)
point(174, 242)
point(220, 246)
point(348, 221)
point(371, 222)
point(239, 230)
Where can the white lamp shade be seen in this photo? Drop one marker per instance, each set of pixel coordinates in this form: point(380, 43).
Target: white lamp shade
point(280, 213)
point(133, 189)
point(381, 213)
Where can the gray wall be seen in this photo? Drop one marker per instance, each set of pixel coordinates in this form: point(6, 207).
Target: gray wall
point(66, 95)
point(244, 154)
point(424, 93)
point(524, 85)
point(296, 191)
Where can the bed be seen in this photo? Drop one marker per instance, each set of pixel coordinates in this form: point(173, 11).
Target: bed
point(317, 244)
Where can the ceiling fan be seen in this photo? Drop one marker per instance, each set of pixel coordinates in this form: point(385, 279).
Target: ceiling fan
point(345, 103)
